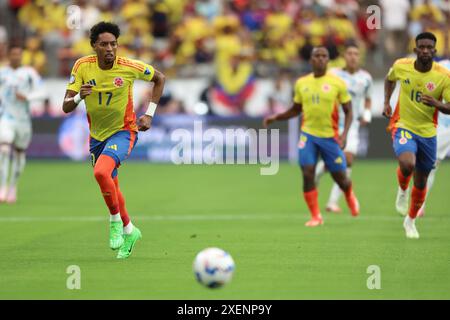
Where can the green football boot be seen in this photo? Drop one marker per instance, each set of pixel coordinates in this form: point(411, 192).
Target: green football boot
point(128, 244)
point(115, 234)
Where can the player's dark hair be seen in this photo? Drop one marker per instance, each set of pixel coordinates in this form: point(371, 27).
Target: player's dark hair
point(426, 35)
point(320, 47)
point(102, 27)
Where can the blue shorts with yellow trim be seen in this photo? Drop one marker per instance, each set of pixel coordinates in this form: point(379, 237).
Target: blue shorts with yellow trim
point(118, 146)
point(310, 147)
point(425, 149)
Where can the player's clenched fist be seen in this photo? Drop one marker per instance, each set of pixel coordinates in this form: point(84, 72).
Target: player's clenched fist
point(85, 90)
point(144, 123)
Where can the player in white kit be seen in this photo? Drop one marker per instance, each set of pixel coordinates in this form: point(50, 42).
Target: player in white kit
point(359, 83)
point(17, 84)
point(443, 144)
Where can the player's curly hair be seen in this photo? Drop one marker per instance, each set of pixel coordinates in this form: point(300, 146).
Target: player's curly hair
point(102, 27)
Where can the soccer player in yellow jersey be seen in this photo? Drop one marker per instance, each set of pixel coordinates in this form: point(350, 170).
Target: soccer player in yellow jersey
point(317, 98)
point(423, 85)
point(105, 82)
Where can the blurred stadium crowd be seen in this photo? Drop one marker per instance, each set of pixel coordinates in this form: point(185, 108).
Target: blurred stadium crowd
point(231, 42)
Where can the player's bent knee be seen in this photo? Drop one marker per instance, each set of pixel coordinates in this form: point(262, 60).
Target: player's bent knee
point(407, 167)
point(101, 174)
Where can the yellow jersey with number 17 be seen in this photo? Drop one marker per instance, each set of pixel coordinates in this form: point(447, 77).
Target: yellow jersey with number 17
point(410, 113)
point(320, 98)
point(110, 105)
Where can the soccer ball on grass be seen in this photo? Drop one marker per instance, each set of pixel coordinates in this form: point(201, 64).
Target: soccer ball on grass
point(213, 267)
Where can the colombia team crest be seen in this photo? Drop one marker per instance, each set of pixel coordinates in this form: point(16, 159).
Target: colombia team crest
point(118, 82)
point(430, 86)
point(326, 87)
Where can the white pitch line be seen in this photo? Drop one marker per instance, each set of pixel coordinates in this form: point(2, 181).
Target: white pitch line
point(211, 217)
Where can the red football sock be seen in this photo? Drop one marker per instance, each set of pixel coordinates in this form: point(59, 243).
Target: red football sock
point(311, 198)
point(417, 199)
point(352, 202)
point(403, 181)
point(102, 172)
point(123, 210)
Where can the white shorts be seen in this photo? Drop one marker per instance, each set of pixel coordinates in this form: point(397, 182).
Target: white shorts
point(443, 142)
point(16, 133)
point(352, 141)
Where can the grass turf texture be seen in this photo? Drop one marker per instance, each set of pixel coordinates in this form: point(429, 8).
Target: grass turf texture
point(61, 220)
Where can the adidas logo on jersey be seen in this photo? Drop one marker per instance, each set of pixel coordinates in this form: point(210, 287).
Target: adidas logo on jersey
point(114, 147)
point(92, 82)
point(406, 81)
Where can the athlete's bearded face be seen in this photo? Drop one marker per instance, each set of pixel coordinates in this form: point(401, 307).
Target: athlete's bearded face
point(106, 47)
point(425, 50)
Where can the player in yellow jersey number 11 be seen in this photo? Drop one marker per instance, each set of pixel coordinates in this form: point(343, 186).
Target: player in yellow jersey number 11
point(317, 97)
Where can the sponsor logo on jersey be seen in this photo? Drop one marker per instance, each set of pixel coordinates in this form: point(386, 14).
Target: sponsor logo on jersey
point(118, 82)
point(92, 82)
point(406, 81)
point(338, 160)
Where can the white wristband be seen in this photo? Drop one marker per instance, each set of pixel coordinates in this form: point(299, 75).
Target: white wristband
point(367, 115)
point(151, 109)
point(77, 99)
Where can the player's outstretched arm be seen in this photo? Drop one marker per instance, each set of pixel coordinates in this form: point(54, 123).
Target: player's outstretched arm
point(389, 87)
point(73, 98)
point(348, 111)
point(145, 121)
point(294, 111)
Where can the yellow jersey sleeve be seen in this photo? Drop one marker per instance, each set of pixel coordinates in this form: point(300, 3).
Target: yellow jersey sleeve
point(392, 76)
point(297, 93)
point(76, 76)
point(143, 71)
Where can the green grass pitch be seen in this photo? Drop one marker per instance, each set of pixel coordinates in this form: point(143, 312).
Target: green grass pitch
point(61, 220)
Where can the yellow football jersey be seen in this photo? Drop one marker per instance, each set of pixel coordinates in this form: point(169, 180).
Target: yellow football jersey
point(320, 98)
point(110, 105)
point(410, 113)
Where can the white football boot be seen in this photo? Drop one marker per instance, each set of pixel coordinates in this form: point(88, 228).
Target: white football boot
point(410, 228)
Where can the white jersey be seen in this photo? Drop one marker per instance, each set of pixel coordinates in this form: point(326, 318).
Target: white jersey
point(359, 85)
point(24, 80)
point(443, 129)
